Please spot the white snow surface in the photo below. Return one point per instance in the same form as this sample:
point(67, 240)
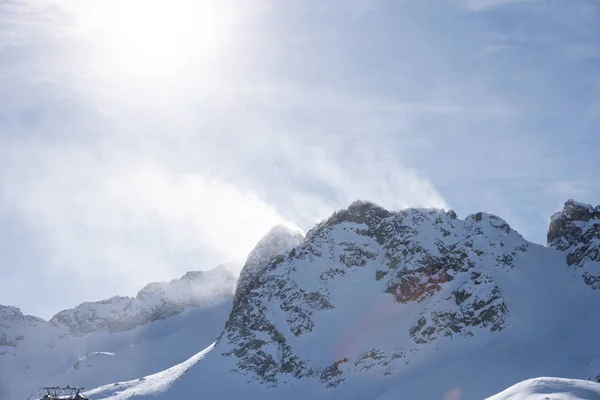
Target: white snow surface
point(551, 389)
point(36, 353)
point(148, 385)
point(370, 294)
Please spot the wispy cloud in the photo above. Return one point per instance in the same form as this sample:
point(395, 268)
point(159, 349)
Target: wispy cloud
point(484, 5)
point(124, 208)
point(119, 182)
point(111, 178)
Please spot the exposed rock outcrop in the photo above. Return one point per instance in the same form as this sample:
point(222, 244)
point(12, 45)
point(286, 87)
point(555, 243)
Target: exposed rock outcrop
point(437, 265)
point(576, 231)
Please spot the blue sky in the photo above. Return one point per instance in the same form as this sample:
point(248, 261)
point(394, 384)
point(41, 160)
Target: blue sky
point(142, 139)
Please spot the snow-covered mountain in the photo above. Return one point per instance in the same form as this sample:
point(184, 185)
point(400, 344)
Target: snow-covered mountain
point(156, 301)
point(96, 343)
point(576, 231)
point(551, 388)
point(376, 304)
point(421, 304)
point(423, 274)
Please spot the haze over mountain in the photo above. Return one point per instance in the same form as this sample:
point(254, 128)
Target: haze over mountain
point(131, 154)
point(96, 343)
point(370, 304)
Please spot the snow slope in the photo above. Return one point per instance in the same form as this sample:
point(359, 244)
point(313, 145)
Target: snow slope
point(374, 304)
point(148, 349)
point(162, 384)
point(148, 385)
point(414, 304)
point(98, 343)
point(551, 389)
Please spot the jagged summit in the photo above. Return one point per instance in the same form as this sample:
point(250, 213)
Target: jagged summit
point(570, 225)
point(278, 242)
point(576, 231)
point(224, 271)
point(11, 317)
point(577, 211)
point(155, 301)
point(371, 214)
point(440, 268)
point(420, 295)
point(361, 212)
point(195, 283)
point(10, 312)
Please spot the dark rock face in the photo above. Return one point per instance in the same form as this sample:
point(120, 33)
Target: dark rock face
point(576, 231)
point(360, 212)
point(279, 242)
point(427, 258)
point(576, 224)
point(248, 314)
point(486, 311)
point(420, 273)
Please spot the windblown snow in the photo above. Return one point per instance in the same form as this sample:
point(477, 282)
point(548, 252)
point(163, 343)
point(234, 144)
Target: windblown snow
point(116, 339)
point(371, 304)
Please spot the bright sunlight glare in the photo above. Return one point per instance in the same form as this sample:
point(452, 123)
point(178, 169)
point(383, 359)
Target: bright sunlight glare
point(155, 37)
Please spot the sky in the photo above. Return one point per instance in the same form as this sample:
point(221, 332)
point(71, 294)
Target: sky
point(140, 139)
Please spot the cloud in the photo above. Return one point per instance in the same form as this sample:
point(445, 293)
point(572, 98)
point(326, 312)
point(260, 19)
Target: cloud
point(22, 20)
point(485, 5)
point(70, 192)
point(111, 179)
point(112, 219)
point(125, 222)
point(117, 181)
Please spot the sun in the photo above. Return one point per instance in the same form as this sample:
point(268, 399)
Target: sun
point(155, 37)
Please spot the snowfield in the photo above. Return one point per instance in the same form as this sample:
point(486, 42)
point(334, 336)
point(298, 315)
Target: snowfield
point(157, 386)
point(36, 353)
point(150, 385)
point(551, 389)
point(370, 305)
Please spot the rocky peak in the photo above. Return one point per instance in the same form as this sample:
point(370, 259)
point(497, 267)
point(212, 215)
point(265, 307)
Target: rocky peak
point(191, 287)
point(576, 231)
point(9, 313)
point(435, 267)
point(14, 314)
point(359, 212)
point(278, 242)
point(13, 323)
point(223, 271)
point(155, 301)
point(577, 222)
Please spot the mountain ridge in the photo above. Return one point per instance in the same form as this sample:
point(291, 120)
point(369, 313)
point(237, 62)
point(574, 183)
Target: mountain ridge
point(411, 272)
point(576, 231)
point(372, 295)
point(226, 269)
point(33, 350)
